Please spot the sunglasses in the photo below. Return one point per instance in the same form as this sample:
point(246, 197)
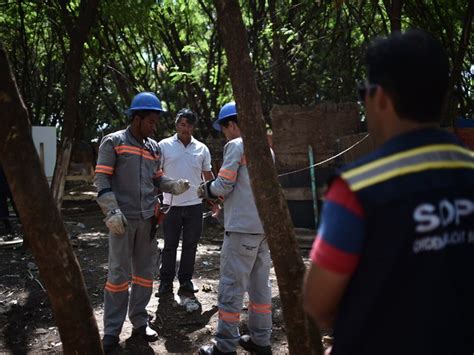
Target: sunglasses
point(365, 88)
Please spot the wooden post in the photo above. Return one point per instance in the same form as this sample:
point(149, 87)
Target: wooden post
point(314, 191)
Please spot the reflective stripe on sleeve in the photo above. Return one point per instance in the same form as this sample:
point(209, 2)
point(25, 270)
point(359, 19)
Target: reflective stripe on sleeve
point(104, 169)
point(228, 174)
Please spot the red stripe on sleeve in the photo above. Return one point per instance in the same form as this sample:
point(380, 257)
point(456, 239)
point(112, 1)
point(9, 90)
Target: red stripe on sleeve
point(340, 193)
point(333, 259)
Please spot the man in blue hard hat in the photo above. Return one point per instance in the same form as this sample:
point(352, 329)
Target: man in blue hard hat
point(245, 258)
point(128, 172)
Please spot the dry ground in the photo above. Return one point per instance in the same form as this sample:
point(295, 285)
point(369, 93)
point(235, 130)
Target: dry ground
point(27, 324)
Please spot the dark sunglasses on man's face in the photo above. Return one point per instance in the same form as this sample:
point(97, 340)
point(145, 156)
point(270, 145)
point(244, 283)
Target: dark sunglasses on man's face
point(365, 88)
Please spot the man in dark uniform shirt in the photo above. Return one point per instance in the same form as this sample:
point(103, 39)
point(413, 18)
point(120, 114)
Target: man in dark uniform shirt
point(392, 265)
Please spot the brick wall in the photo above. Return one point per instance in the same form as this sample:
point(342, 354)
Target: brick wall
point(296, 127)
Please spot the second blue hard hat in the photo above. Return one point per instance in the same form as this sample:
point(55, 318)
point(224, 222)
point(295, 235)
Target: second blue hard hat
point(228, 110)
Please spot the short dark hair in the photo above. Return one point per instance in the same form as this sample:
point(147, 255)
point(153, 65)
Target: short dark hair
point(190, 116)
point(225, 121)
point(413, 68)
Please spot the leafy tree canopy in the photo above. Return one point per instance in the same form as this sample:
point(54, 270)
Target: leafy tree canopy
point(303, 51)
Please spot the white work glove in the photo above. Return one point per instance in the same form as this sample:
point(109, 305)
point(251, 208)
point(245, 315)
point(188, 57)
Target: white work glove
point(114, 218)
point(180, 186)
point(172, 186)
point(204, 192)
point(116, 222)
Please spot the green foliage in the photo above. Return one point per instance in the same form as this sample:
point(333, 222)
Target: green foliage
point(303, 51)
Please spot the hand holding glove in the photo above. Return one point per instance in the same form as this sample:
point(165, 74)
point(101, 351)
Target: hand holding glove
point(114, 218)
point(116, 222)
point(180, 186)
point(172, 186)
point(204, 191)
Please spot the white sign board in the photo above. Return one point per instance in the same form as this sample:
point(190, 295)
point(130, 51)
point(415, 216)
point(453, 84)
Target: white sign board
point(44, 139)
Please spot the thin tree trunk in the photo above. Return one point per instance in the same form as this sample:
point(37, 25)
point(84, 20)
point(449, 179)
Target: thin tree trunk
point(78, 34)
point(394, 10)
point(281, 74)
point(269, 198)
point(450, 108)
point(42, 224)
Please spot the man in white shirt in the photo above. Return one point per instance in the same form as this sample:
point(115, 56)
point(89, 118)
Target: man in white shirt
point(185, 157)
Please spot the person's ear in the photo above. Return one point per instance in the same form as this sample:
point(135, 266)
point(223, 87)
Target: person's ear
point(381, 99)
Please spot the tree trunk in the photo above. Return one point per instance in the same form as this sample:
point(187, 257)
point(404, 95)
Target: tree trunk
point(276, 219)
point(42, 224)
point(394, 10)
point(450, 108)
point(281, 74)
point(78, 34)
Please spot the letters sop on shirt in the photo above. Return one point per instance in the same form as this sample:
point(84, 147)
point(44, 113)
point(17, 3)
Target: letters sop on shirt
point(184, 162)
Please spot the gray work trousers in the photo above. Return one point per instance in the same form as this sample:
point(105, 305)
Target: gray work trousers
point(188, 220)
point(132, 254)
point(244, 267)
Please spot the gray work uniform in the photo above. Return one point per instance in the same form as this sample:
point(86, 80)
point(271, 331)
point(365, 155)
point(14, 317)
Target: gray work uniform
point(130, 170)
point(245, 258)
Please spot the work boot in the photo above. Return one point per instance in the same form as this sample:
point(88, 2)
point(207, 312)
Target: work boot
point(246, 342)
point(212, 350)
point(147, 333)
point(164, 288)
point(109, 343)
point(187, 287)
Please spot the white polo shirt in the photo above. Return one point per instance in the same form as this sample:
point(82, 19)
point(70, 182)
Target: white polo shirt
point(180, 162)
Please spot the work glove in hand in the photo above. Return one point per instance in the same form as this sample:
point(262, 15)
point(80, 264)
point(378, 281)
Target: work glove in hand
point(203, 191)
point(180, 186)
point(172, 186)
point(114, 218)
point(116, 222)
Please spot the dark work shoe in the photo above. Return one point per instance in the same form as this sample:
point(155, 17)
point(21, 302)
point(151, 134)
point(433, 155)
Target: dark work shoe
point(147, 333)
point(187, 287)
point(109, 343)
point(212, 350)
point(247, 343)
point(164, 288)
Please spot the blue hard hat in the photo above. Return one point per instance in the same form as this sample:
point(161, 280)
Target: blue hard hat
point(145, 101)
point(228, 110)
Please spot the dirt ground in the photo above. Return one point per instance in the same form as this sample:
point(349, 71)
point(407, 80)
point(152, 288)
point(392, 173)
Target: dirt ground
point(27, 325)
